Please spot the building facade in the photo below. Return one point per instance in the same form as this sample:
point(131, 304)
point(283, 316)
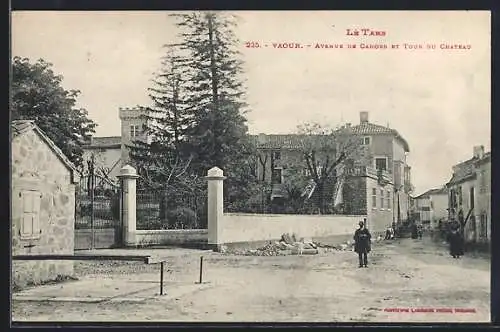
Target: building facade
point(469, 195)
point(376, 181)
point(42, 205)
point(432, 206)
point(110, 154)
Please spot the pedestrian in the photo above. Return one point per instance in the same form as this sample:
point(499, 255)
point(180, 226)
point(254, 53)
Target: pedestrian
point(456, 242)
point(362, 243)
point(414, 231)
point(420, 231)
point(394, 229)
point(388, 233)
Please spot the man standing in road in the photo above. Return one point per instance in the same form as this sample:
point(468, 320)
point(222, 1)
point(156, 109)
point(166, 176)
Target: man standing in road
point(362, 244)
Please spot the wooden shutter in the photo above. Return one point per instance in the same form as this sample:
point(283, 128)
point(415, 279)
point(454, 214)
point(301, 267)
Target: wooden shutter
point(31, 212)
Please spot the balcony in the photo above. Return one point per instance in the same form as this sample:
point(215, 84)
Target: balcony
point(369, 171)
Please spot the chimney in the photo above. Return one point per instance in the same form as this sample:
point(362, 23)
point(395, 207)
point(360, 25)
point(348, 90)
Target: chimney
point(363, 117)
point(479, 151)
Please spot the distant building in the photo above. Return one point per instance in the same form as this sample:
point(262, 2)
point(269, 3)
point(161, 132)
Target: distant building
point(469, 195)
point(432, 206)
point(111, 153)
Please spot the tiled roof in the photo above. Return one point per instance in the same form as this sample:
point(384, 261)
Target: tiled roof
point(367, 128)
point(110, 141)
point(466, 170)
point(286, 141)
point(438, 191)
point(294, 141)
point(20, 127)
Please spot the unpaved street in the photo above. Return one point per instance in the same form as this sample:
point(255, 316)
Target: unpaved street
point(323, 288)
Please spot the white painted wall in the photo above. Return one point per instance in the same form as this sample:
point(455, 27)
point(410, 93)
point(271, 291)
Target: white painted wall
point(236, 227)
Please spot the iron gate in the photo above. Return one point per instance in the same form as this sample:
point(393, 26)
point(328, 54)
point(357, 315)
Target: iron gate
point(97, 215)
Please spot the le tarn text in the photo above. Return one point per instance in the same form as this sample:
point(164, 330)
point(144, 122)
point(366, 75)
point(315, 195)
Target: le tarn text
point(365, 32)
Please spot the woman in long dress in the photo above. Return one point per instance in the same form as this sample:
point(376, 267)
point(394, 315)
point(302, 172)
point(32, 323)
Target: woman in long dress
point(456, 243)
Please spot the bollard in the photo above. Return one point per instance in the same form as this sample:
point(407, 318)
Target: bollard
point(201, 269)
point(161, 278)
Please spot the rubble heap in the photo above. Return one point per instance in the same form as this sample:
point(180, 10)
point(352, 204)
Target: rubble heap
point(288, 245)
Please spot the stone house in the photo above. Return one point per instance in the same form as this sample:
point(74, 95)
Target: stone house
point(377, 179)
point(42, 204)
point(468, 204)
point(432, 206)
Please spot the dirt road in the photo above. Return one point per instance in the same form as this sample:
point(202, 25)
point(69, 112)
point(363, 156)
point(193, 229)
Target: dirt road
point(328, 287)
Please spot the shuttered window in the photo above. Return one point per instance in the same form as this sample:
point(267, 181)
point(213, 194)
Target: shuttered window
point(30, 226)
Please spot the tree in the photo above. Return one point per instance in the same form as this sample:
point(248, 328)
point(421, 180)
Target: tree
point(37, 94)
point(214, 88)
point(325, 151)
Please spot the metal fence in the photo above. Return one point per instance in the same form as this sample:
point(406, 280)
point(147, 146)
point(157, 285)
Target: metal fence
point(171, 209)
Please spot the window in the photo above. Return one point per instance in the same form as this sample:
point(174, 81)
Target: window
point(306, 172)
point(276, 176)
point(374, 198)
point(432, 205)
point(134, 130)
point(483, 226)
point(471, 198)
point(389, 199)
point(460, 196)
point(381, 199)
point(30, 223)
point(276, 155)
point(381, 163)
point(365, 141)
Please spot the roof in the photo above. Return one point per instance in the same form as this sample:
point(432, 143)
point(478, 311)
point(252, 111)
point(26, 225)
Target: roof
point(276, 141)
point(104, 142)
point(367, 128)
point(20, 127)
point(486, 158)
point(428, 193)
point(466, 170)
point(294, 141)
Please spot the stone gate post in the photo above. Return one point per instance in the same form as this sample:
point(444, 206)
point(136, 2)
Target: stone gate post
point(128, 176)
point(215, 178)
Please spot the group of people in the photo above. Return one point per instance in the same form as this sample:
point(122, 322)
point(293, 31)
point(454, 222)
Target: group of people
point(362, 240)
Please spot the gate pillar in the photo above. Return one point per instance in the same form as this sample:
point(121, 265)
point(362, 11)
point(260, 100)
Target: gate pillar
point(128, 176)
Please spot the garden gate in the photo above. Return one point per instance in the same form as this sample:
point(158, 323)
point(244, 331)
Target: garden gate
point(97, 213)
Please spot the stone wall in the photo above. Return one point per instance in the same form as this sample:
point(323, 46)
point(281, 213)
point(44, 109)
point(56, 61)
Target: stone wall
point(171, 237)
point(241, 228)
point(35, 167)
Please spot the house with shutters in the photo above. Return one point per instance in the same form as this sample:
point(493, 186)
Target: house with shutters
point(469, 196)
point(377, 181)
point(42, 204)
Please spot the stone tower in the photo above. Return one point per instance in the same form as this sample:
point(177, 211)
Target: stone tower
point(132, 129)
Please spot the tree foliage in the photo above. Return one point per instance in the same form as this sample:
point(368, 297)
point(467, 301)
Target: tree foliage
point(37, 94)
point(197, 118)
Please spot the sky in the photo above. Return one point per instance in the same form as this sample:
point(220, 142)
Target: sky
point(437, 99)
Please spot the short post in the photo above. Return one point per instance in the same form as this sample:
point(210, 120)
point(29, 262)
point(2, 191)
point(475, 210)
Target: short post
point(128, 176)
point(161, 277)
point(201, 269)
point(215, 178)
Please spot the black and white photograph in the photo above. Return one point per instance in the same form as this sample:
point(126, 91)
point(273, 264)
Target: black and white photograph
point(250, 166)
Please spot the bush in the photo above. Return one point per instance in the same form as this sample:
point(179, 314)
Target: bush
point(182, 217)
